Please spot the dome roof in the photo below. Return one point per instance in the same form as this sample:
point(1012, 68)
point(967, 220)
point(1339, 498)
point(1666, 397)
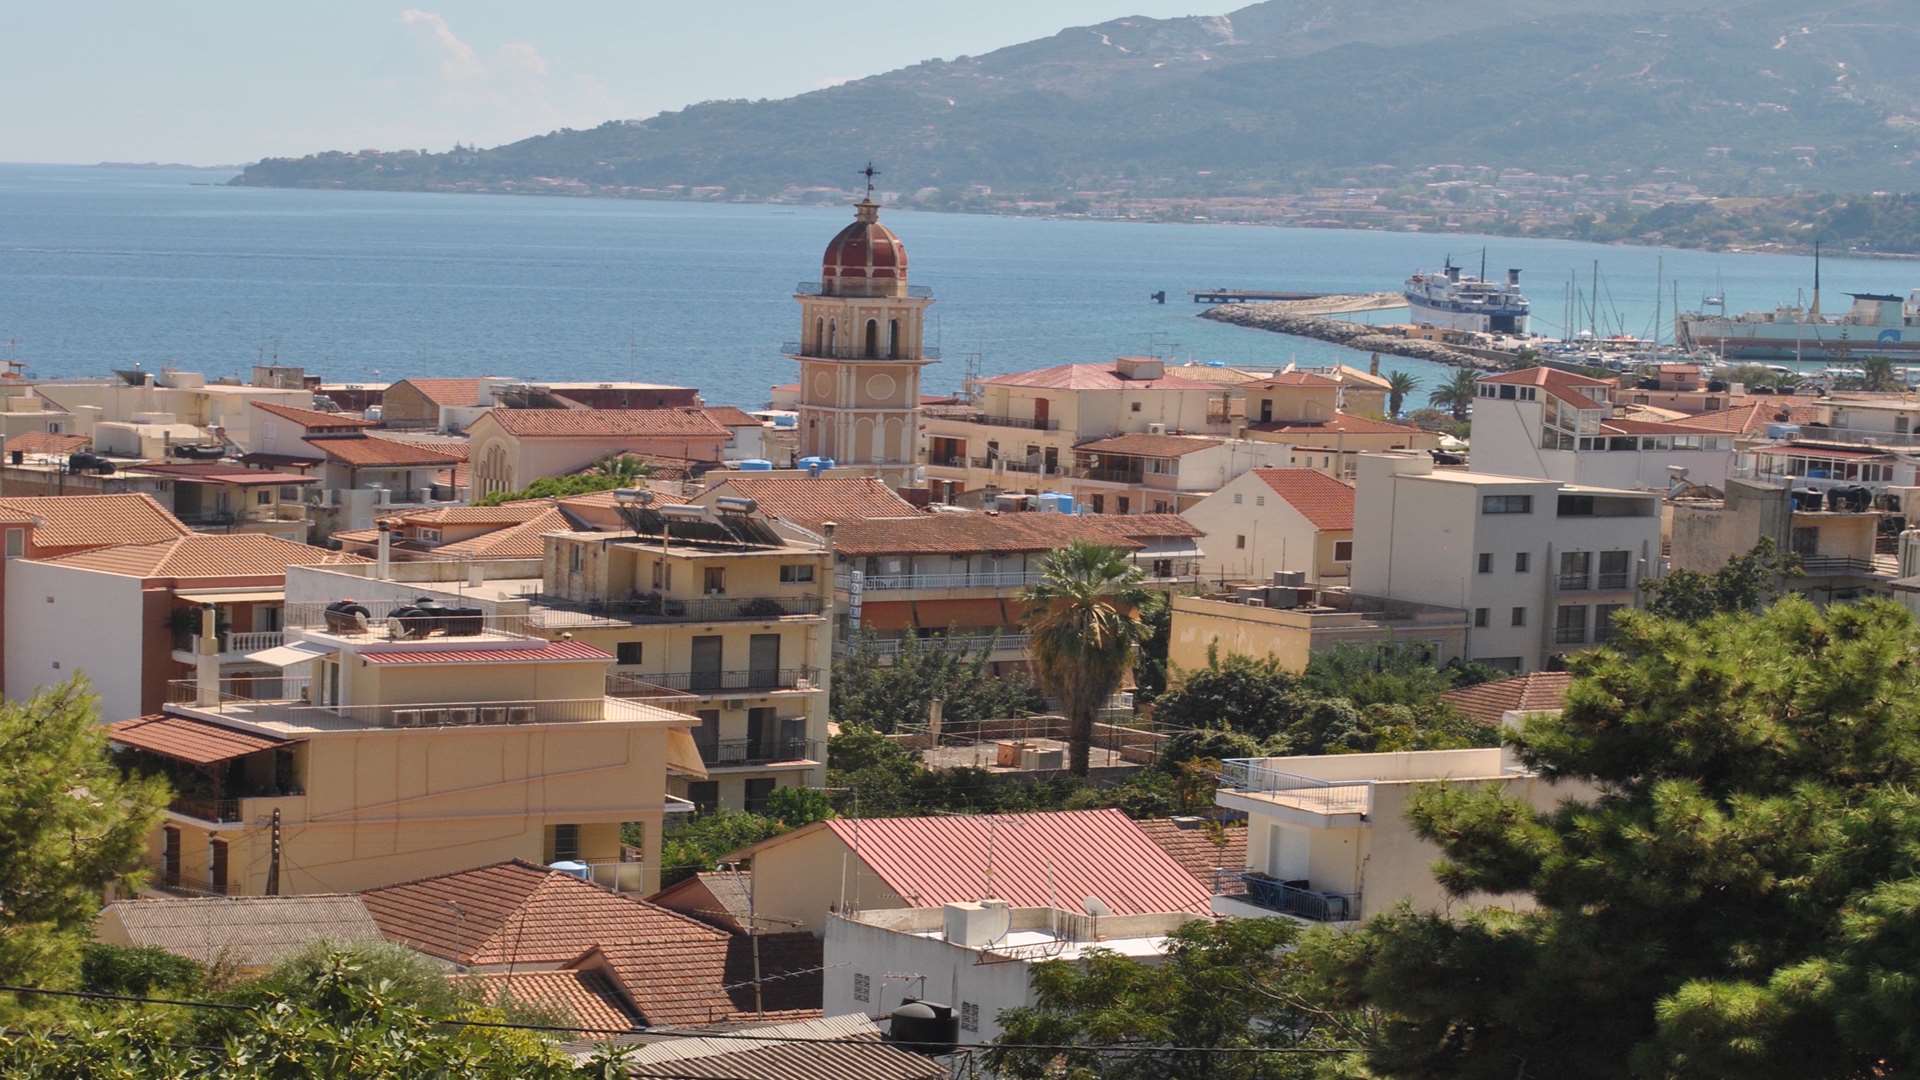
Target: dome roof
point(864, 251)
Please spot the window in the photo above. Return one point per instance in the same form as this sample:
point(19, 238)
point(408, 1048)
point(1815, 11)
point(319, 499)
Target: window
point(629, 652)
point(713, 581)
point(1343, 551)
point(1805, 541)
point(16, 543)
point(862, 987)
point(1163, 568)
point(289, 494)
point(1480, 616)
point(1259, 500)
point(796, 574)
point(1570, 625)
point(1236, 499)
point(566, 843)
point(1616, 569)
point(1500, 663)
point(704, 795)
point(1603, 621)
point(1099, 504)
point(1134, 407)
point(969, 1016)
point(1506, 504)
point(1126, 505)
point(432, 536)
point(263, 498)
point(1240, 542)
point(1486, 562)
point(1521, 562)
point(573, 558)
point(1519, 616)
point(1574, 567)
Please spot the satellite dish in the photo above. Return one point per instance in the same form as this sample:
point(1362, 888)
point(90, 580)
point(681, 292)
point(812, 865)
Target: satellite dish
point(1095, 907)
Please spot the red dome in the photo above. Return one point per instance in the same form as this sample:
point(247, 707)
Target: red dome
point(864, 251)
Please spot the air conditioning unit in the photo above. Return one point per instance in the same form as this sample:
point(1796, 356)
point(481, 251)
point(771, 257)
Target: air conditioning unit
point(460, 716)
point(1255, 601)
point(493, 714)
point(406, 718)
point(521, 714)
point(735, 703)
point(433, 717)
point(1156, 429)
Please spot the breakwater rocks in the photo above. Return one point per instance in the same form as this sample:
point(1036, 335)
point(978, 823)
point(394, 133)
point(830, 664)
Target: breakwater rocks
point(1274, 317)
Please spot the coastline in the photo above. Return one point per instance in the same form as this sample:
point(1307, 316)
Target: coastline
point(1277, 318)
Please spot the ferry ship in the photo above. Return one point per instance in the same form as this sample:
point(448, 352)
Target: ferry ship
point(1455, 302)
point(1877, 324)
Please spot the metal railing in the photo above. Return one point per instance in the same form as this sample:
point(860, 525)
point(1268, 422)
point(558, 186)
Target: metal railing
point(729, 682)
point(890, 648)
point(1573, 582)
point(838, 351)
point(730, 752)
point(882, 288)
point(994, 420)
point(552, 611)
point(619, 877)
point(1294, 898)
point(1570, 635)
point(1253, 776)
point(1110, 475)
point(1819, 565)
point(290, 700)
point(1039, 468)
point(206, 809)
point(382, 625)
point(964, 579)
point(1616, 579)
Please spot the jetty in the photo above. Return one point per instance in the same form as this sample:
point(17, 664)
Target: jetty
point(1248, 296)
point(1275, 318)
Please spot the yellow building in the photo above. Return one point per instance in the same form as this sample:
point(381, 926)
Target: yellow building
point(713, 609)
point(1328, 419)
point(394, 743)
point(1290, 624)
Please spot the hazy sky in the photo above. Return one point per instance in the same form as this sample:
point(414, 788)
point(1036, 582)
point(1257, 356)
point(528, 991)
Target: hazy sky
point(218, 81)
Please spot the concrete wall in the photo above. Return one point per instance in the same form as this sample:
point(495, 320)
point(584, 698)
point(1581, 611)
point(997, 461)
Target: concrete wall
point(947, 974)
point(61, 620)
point(805, 878)
point(1277, 537)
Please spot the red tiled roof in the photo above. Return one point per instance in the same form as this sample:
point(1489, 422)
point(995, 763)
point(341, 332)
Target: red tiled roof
point(845, 1059)
point(78, 521)
point(551, 652)
point(1564, 385)
point(1338, 424)
point(1542, 691)
point(47, 442)
point(1037, 860)
point(1139, 445)
point(1322, 500)
point(811, 501)
point(371, 450)
point(1143, 527)
point(1295, 378)
point(184, 738)
point(313, 418)
point(1748, 419)
point(516, 912)
point(607, 423)
point(583, 998)
point(1198, 845)
point(522, 541)
point(679, 978)
point(450, 445)
point(452, 392)
point(511, 513)
point(973, 533)
point(1622, 426)
point(1804, 450)
point(207, 555)
point(1092, 377)
point(731, 416)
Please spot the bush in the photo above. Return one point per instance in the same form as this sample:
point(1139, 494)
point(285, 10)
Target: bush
point(120, 969)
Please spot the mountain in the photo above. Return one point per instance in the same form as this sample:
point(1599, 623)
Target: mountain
point(1734, 96)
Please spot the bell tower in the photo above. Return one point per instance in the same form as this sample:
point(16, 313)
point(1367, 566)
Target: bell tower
point(860, 351)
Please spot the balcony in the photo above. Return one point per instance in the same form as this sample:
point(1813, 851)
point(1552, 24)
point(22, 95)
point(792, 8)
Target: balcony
point(889, 649)
point(1293, 898)
point(285, 706)
point(992, 420)
point(856, 289)
point(1573, 582)
point(965, 579)
point(1107, 475)
point(1844, 565)
point(1614, 580)
point(553, 612)
point(1294, 791)
point(408, 620)
point(232, 648)
point(1038, 468)
point(755, 680)
point(849, 352)
point(206, 809)
point(1570, 635)
point(748, 753)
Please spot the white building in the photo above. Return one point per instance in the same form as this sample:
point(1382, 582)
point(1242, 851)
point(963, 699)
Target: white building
point(1539, 565)
point(1266, 520)
point(1561, 426)
point(976, 958)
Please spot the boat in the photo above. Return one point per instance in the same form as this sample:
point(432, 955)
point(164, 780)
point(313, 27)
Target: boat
point(1876, 324)
point(1454, 301)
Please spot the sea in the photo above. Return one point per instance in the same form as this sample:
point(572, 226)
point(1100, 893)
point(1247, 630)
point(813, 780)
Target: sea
point(105, 268)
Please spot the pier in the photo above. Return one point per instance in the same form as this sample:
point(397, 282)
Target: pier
point(1249, 296)
point(1275, 319)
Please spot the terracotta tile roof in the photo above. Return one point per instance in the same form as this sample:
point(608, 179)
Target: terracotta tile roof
point(46, 442)
point(1564, 385)
point(551, 652)
point(518, 912)
point(1542, 691)
point(811, 501)
point(375, 451)
point(719, 898)
point(246, 931)
point(1322, 500)
point(607, 423)
point(184, 738)
point(1813, 451)
point(1143, 527)
point(1295, 378)
point(1037, 859)
point(1338, 424)
point(448, 392)
point(81, 521)
point(1197, 845)
point(511, 513)
point(453, 446)
point(684, 978)
point(1092, 377)
point(207, 555)
point(979, 533)
point(314, 418)
point(582, 998)
point(1748, 419)
point(850, 1059)
point(523, 541)
point(1141, 445)
point(731, 416)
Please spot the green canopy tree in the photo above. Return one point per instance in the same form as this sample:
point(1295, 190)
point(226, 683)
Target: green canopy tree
point(1085, 615)
point(1740, 899)
point(1745, 583)
point(887, 695)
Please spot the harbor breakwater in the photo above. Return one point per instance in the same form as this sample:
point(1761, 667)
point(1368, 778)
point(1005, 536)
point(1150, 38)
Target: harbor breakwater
point(1277, 319)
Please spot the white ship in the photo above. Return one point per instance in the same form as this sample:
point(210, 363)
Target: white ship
point(1455, 302)
point(1876, 324)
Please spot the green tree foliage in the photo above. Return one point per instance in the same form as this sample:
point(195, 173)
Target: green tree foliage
point(610, 474)
point(797, 806)
point(701, 843)
point(885, 696)
point(1456, 394)
point(1744, 584)
point(1222, 985)
point(1150, 668)
point(1400, 386)
point(144, 971)
point(1085, 618)
point(70, 825)
point(1739, 901)
point(1376, 675)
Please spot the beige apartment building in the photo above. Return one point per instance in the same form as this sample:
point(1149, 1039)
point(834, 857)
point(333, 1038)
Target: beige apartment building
point(1291, 622)
point(1017, 433)
point(393, 744)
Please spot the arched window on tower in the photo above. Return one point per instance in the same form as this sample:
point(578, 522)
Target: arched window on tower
point(893, 339)
point(833, 334)
point(819, 332)
point(873, 339)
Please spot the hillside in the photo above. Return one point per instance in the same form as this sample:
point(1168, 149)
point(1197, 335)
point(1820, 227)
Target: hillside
point(1735, 96)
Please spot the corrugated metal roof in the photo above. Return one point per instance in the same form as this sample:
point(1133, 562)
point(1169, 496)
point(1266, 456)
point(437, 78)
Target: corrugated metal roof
point(183, 738)
point(1052, 859)
point(550, 652)
point(249, 931)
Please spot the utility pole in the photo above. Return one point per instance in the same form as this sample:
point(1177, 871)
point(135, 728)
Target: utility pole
point(273, 857)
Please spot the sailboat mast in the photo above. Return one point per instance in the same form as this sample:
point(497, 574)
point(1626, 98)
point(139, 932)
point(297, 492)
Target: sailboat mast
point(1659, 288)
point(1814, 311)
point(1593, 302)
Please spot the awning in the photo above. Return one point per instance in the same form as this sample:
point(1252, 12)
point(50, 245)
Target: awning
point(683, 755)
point(282, 656)
point(892, 615)
point(233, 596)
point(963, 616)
point(183, 738)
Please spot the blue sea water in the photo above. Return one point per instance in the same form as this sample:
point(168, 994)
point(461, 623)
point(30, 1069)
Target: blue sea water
point(101, 268)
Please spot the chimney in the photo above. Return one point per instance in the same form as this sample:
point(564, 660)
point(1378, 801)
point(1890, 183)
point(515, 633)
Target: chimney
point(383, 559)
point(206, 661)
point(474, 575)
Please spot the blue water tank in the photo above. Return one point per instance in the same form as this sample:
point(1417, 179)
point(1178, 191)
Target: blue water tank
point(573, 866)
point(784, 421)
point(1058, 502)
point(1213, 363)
point(1782, 431)
point(754, 464)
point(815, 465)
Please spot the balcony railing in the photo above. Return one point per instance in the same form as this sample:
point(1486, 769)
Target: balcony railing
point(290, 701)
point(1830, 565)
point(965, 579)
point(551, 612)
point(206, 809)
point(729, 682)
point(1039, 468)
point(253, 641)
point(1288, 897)
point(890, 648)
point(1111, 476)
point(855, 352)
point(724, 753)
point(1573, 582)
point(1570, 635)
point(1614, 580)
point(1310, 793)
point(382, 623)
point(851, 288)
point(993, 420)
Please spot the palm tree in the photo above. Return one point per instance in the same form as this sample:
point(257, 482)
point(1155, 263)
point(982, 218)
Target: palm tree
point(1399, 385)
point(1084, 615)
point(1456, 394)
point(1878, 373)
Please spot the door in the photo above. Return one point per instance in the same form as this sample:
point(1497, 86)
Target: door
point(217, 866)
point(707, 735)
point(705, 676)
point(1042, 413)
point(793, 738)
point(1287, 855)
point(171, 866)
point(763, 660)
point(757, 791)
point(760, 730)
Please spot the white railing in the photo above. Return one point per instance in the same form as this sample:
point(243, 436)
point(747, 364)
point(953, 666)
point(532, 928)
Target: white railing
point(254, 641)
point(1254, 776)
point(968, 579)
